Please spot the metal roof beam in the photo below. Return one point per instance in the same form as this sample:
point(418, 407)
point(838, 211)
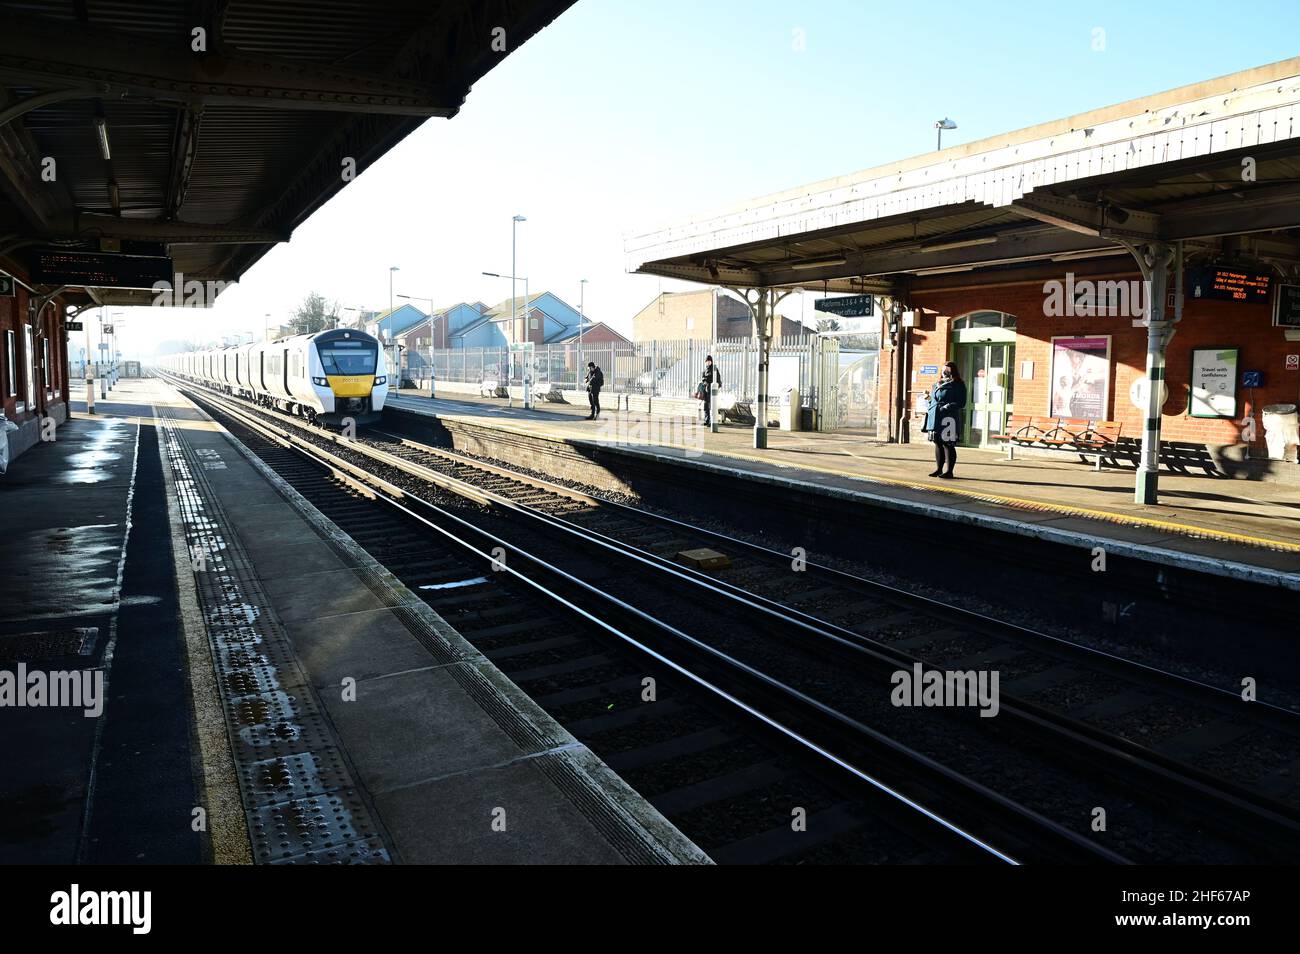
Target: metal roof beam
point(86, 224)
point(1087, 218)
point(61, 53)
point(1012, 246)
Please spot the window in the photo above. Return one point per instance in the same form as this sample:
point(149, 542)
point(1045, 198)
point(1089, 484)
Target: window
point(29, 358)
point(45, 356)
point(348, 357)
point(532, 323)
point(985, 319)
point(11, 366)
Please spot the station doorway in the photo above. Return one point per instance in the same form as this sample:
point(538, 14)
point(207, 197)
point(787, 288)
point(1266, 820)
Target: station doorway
point(985, 352)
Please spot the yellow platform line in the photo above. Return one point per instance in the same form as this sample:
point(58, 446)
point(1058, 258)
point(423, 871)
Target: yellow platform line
point(1019, 503)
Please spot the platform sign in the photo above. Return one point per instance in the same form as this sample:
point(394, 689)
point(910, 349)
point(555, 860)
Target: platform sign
point(55, 266)
point(73, 325)
point(1222, 283)
point(6, 286)
point(1214, 383)
point(929, 369)
point(850, 306)
point(1286, 306)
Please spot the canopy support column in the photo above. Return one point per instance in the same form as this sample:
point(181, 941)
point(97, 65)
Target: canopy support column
point(1153, 259)
point(762, 304)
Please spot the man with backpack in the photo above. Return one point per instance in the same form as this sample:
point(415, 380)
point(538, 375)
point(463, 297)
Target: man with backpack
point(595, 381)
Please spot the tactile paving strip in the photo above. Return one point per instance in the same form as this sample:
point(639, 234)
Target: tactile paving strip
point(299, 796)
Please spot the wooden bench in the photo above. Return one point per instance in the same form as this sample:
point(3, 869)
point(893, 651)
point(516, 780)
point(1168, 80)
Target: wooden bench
point(1101, 439)
point(1066, 432)
point(1025, 430)
point(739, 412)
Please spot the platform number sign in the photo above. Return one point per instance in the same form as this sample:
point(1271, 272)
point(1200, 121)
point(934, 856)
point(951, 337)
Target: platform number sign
point(6, 286)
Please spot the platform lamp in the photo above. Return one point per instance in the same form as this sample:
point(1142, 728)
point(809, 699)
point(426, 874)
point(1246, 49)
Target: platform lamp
point(582, 321)
point(527, 381)
point(940, 125)
point(432, 319)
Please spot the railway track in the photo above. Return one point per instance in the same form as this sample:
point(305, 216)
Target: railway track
point(827, 680)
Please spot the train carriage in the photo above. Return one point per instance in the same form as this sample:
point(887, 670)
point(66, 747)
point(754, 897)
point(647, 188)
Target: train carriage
point(328, 376)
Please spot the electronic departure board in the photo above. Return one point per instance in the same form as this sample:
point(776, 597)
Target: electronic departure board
point(1286, 310)
point(1225, 283)
point(56, 266)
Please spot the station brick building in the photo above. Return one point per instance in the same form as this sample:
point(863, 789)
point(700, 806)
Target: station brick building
point(965, 240)
point(33, 362)
point(1003, 325)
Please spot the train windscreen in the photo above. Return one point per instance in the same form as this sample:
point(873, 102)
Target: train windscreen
point(349, 357)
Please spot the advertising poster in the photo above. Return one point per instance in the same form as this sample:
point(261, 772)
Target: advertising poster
point(1081, 377)
point(1214, 383)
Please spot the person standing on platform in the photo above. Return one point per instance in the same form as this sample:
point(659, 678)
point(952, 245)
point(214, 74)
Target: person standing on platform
point(943, 419)
point(595, 381)
point(704, 391)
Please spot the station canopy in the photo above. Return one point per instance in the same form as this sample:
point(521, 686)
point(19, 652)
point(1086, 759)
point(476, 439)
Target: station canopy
point(207, 130)
point(1217, 158)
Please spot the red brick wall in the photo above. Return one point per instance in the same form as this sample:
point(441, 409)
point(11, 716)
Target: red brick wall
point(602, 334)
point(13, 314)
point(1205, 324)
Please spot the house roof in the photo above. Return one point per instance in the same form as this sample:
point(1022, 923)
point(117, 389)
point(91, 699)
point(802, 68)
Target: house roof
point(571, 334)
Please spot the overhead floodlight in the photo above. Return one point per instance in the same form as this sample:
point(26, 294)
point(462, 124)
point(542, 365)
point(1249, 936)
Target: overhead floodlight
point(941, 125)
point(101, 133)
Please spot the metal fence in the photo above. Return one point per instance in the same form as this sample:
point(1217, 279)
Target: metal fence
point(808, 364)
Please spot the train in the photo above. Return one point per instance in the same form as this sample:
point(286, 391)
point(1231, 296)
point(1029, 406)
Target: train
point(327, 377)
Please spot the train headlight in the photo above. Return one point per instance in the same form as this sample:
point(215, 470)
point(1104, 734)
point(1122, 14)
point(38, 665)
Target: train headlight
point(382, 379)
point(321, 382)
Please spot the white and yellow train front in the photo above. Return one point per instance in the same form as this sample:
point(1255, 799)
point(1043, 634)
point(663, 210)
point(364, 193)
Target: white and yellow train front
point(330, 376)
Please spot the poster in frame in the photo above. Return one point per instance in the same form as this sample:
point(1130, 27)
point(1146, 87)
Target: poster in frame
point(1080, 381)
point(1212, 385)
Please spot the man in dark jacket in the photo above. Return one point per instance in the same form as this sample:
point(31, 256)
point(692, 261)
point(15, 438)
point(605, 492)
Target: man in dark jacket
point(708, 379)
point(595, 380)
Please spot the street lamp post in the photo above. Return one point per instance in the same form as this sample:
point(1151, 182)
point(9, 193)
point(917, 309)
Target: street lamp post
point(391, 338)
point(527, 377)
point(940, 126)
point(582, 321)
point(514, 270)
point(432, 319)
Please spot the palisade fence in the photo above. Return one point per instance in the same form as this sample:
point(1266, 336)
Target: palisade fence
point(809, 364)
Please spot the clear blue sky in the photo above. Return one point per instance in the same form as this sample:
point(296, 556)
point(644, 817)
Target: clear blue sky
point(624, 114)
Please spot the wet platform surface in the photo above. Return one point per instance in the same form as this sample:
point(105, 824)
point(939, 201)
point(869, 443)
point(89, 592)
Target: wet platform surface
point(1251, 523)
point(87, 595)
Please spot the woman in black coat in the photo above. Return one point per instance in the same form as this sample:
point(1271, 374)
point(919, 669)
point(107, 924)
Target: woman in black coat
point(943, 420)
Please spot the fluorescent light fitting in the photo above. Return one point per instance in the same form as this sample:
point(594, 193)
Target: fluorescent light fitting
point(819, 263)
point(947, 269)
point(101, 133)
point(1095, 253)
point(960, 243)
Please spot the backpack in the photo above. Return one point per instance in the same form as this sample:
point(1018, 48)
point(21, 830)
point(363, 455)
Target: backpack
point(597, 378)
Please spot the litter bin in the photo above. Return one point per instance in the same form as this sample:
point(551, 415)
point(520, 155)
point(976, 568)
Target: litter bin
point(788, 416)
point(1280, 430)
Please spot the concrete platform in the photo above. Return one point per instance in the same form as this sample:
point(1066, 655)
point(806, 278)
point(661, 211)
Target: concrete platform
point(410, 735)
point(227, 616)
point(1226, 526)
